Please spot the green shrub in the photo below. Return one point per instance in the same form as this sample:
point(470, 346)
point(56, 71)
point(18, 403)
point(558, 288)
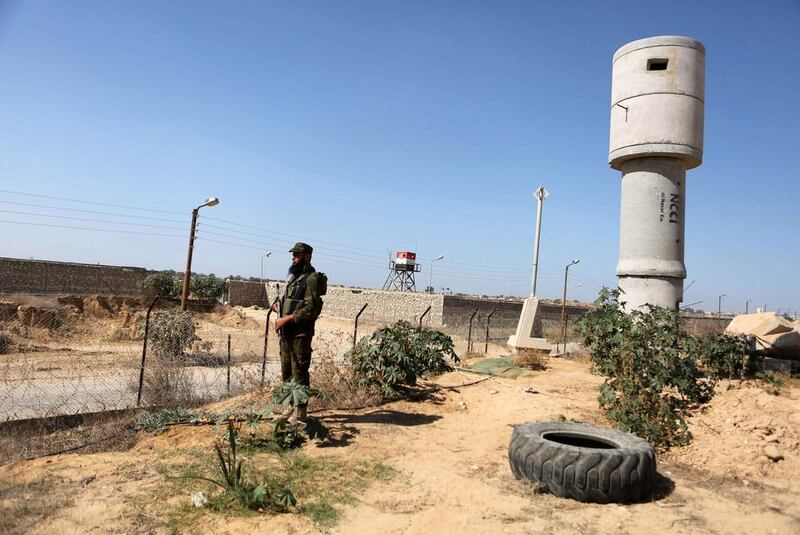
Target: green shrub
point(724, 356)
point(237, 489)
point(397, 355)
point(166, 381)
point(171, 333)
point(651, 381)
point(208, 287)
point(161, 283)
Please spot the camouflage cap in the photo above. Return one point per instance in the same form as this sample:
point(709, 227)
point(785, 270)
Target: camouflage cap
point(301, 247)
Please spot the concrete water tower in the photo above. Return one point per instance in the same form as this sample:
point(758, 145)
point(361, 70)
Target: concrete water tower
point(657, 108)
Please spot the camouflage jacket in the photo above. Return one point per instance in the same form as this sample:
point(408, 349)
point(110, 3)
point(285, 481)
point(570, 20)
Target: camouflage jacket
point(302, 298)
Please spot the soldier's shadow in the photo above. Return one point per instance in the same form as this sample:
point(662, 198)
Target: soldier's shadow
point(344, 427)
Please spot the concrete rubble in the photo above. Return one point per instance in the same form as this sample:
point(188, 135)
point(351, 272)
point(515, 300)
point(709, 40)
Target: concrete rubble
point(774, 335)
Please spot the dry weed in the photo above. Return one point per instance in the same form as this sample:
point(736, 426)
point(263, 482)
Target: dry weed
point(531, 359)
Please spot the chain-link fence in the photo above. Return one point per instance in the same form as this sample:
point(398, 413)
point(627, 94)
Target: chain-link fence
point(67, 370)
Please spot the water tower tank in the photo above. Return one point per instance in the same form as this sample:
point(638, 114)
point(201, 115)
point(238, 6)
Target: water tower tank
point(657, 94)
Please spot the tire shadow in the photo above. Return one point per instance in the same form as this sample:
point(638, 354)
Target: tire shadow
point(663, 486)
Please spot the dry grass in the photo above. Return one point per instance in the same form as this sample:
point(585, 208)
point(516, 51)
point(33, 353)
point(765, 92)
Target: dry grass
point(107, 431)
point(531, 359)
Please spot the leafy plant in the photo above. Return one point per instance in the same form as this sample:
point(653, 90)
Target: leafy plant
point(397, 355)
point(267, 495)
point(171, 333)
point(292, 393)
point(208, 287)
point(161, 283)
point(725, 356)
point(160, 420)
point(651, 381)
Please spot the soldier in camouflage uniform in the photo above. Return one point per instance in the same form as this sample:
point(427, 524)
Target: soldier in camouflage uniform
point(299, 309)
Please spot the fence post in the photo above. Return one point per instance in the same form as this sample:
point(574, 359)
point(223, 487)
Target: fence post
point(355, 328)
point(266, 342)
point(469, 336)
point(486, 344)
point(424, 314)
point(229, 363)
point(144, 350)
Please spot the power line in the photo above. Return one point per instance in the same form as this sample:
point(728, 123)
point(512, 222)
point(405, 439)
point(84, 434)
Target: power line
point(91, 229)
point(83, 210)
point(89, 219)
point(83, 201)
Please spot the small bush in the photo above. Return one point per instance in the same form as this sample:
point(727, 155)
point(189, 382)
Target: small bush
point(161, 283)
point(531, 359)
point(724, 356)
point(171, 334)
point(397, 355)
point(651, 382)
point(237, 489)
point(167, 383)
point(208, 287)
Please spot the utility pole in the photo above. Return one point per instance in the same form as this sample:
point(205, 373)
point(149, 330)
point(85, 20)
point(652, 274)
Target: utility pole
point(719, 305)
point(747, 306)
point(541, 194)
point(564, 306)
point(187, 275)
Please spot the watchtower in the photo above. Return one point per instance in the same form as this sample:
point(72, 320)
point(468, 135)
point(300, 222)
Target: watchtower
point(401, 272)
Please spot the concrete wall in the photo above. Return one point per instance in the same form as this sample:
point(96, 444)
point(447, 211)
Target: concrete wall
point(448, 312)
point(47, 277)
point(248, 293)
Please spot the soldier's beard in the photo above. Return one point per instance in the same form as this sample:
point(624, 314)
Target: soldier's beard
point(297, 269)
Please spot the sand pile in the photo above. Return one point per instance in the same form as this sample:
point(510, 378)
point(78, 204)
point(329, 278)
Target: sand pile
point(746, 432)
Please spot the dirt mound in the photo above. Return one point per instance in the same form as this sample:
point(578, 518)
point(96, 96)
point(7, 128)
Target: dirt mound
point(746, 432)
point(234, 318)
point(37, 317)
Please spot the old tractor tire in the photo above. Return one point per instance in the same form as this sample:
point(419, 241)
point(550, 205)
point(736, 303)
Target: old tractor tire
point(588, 463)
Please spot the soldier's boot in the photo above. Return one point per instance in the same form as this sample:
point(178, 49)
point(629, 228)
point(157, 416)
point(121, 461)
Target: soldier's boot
point(299, 416)
point(281, 411)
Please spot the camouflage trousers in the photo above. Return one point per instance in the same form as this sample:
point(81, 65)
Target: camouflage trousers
point(296, 359)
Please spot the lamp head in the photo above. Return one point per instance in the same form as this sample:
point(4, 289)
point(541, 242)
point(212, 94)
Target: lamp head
point(440, 257)
point(212, 201)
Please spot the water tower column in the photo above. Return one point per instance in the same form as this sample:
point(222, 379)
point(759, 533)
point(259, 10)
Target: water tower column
point(658, 89)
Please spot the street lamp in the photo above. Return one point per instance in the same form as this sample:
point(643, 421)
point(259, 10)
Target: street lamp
point(267, 255)
point(211, 201)
point(719, 305)
point(564, 305)
point(747, 306)
point(430, 274)
point(541, 194)
point(573, 289)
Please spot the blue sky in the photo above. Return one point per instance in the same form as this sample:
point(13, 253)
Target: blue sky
point(367, 126)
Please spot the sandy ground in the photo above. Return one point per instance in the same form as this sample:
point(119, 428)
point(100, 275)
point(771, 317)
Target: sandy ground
point(450, 454)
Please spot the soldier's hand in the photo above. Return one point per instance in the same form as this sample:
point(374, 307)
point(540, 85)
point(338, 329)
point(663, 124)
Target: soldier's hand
point(274, 307)
point(281, 322)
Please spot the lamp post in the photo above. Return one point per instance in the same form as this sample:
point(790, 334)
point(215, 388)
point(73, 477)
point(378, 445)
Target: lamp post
point(747, 306)
point(719, 305)
point(541, 194)
point(430, 274)
point(267, 255)
point(573, 289)
point(211, 201)
point(564, 305)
